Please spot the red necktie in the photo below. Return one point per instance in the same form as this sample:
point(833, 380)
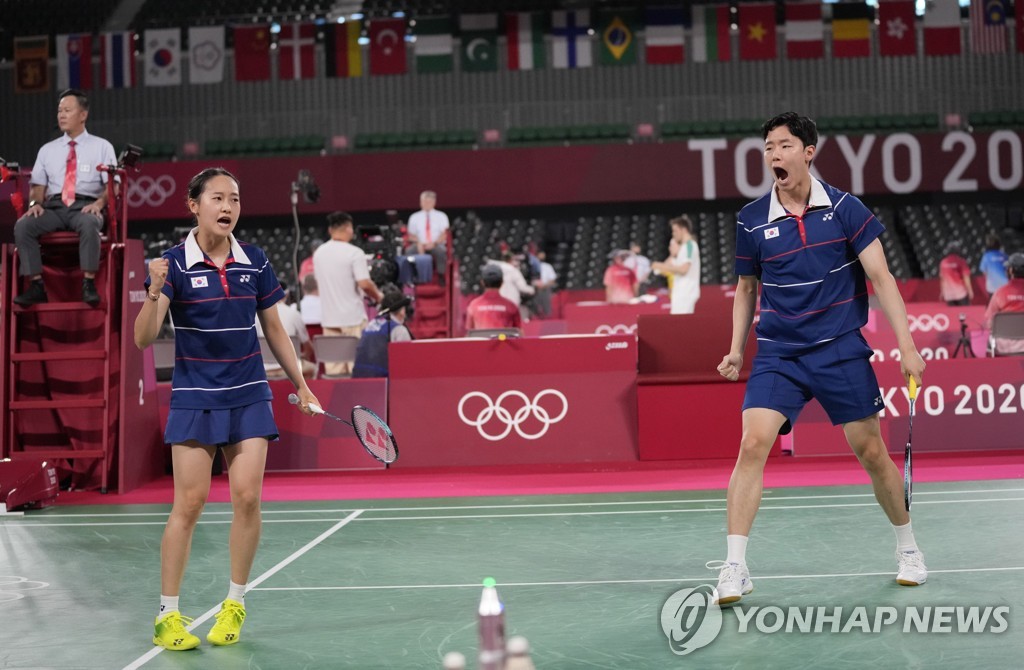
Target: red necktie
point(67, 194)
point(429, 238)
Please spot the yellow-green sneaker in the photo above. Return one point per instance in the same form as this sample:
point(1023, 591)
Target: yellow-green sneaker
point(170, 632)
point(228, 628)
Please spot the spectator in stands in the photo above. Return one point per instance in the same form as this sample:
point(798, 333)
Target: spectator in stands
point(545, 285)
point(216, 287)
point(514, 285)
point(343, 276)
point(620, 285)
point(67, 192)
point(388, 326)
point(296, 330)
point(491, 309)
point(813, 305)
point(955, 277)
point(309, 306)
point(1008, 298)
point(638, 263)
point(993, 264)
point(428, 233)
point(683, 266)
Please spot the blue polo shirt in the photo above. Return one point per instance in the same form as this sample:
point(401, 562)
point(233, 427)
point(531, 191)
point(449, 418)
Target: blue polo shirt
point(217, 362)
point(813, 287)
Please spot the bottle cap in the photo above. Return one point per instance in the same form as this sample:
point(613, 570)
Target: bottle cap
point(489, 582)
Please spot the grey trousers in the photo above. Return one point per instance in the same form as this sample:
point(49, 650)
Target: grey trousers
point(56, 216)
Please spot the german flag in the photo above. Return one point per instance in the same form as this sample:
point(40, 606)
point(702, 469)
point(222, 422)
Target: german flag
point(851, 30)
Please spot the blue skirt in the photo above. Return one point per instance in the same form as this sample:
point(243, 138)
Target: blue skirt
point(221, 427)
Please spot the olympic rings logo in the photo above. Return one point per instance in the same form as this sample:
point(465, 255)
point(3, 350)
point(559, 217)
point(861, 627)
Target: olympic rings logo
point(927, 323)
point(495, 410)
point(146, 190)
point(12, 587)
point(617, 329)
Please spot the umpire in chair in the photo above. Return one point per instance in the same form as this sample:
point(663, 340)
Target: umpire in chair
point(67, 192)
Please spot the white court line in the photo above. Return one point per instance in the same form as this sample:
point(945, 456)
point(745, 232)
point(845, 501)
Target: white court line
point(688, 501)
point(600, 582)
point(152, 653)
point(447, 517)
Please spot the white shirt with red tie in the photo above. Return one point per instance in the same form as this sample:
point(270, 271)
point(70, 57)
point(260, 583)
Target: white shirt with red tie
point(51, 164)
point(433, 221)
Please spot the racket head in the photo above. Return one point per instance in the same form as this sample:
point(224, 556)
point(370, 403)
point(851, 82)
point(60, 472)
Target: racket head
point(375, 435)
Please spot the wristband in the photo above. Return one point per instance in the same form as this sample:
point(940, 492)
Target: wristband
point(152, 297)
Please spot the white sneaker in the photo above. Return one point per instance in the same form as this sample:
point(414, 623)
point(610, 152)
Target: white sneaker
point(733, 581)
point(912, 570)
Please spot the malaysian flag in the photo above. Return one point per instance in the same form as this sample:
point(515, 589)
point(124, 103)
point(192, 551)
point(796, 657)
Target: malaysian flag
point(988, 26)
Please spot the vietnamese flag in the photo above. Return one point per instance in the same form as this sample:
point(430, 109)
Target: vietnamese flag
point(252, 52)
point(757, 31)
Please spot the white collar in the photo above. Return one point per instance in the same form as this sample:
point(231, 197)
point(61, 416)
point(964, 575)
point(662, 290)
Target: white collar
point(78, 140)
point(818, 199)
point(193, 254)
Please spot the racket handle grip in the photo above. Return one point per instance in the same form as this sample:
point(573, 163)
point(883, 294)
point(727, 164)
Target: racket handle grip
point(294, 399)
point(913, 388)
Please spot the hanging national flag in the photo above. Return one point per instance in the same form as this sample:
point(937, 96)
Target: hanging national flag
point(296, 46)
point(942, 28)
point(851, 30)
point(31, 64)
point(570, 43)
point(206, 54)
point(252, 52)
point(663, 36)
point(524, 36)
point(897, 35)
point(117, 60)
point(341, 45)
point(74, 62)
point(433, 47)
point(616, 30)
point(988, 26)
point(479, 39)
point(805, 33)
point(387, 46)
point(163, 57)
point(757, 31)
point(710, 36)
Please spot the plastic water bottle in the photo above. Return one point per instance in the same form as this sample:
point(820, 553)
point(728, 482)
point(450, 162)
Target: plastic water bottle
point(491, 618)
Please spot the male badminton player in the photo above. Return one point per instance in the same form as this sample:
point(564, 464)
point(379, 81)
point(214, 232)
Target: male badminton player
point(215, 287)
point(811, 246)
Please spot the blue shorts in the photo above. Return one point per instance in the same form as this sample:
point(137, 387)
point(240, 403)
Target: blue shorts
point(837, 374)
point(221, 427)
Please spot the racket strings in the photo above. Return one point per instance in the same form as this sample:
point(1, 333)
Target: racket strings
point(374, 435)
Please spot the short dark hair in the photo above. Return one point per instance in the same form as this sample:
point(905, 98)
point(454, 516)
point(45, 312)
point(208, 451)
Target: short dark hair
point(198, 183)
point(992, 242)
point(335, 219)
point(83, 99)
point(802, 127)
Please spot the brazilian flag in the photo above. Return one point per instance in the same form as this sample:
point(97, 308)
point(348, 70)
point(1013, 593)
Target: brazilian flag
point(617, 36)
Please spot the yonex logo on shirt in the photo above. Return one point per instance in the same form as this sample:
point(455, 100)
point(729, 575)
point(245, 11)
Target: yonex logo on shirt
point(245, 279)
point(199, 282)
point(771, 232)
point(827, 217)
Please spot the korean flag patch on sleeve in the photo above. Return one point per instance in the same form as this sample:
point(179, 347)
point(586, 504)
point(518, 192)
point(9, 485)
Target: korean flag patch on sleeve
point(200, 282)
point(768, 234)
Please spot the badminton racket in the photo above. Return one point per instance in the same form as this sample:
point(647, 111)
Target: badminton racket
point(908, 465)
point(373, 433)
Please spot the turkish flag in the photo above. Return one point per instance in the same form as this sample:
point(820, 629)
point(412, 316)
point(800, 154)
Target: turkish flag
point(252, 53)
point(387, 46)
point(757, 31)
point(897, 35)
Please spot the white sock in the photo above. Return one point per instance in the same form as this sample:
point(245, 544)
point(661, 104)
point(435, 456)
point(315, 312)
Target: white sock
point(905, 538)
point(236, 592)
point(167, 604)
point(737, 549)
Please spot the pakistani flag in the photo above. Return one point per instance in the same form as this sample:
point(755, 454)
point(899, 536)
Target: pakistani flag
point(434, 44)
point(479, 42)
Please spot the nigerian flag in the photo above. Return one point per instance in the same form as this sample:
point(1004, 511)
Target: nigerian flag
point(479, 34)
point(434, 44)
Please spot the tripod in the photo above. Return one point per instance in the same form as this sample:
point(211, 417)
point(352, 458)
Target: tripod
point(965, 340)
